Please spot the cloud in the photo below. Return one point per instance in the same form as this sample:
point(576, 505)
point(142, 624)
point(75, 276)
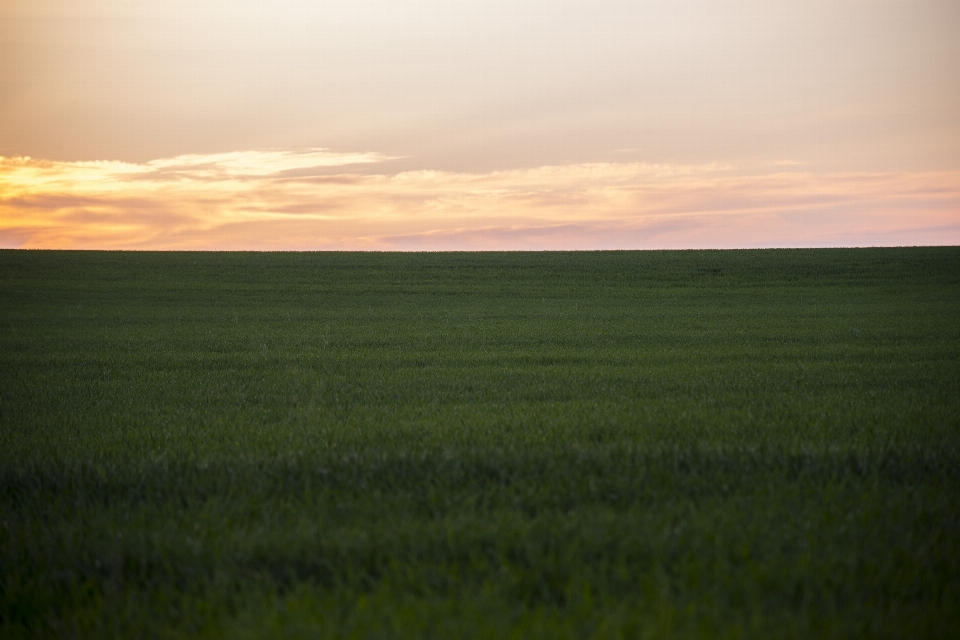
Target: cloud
point(252, 164)
point(310, 199)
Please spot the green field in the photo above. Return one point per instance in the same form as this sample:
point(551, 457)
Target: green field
point(557, 445)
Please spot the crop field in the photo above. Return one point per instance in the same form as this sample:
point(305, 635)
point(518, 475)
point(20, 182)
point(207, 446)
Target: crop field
point(480, 445)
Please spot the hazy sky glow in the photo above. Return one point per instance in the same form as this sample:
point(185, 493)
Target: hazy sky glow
point(478, 124)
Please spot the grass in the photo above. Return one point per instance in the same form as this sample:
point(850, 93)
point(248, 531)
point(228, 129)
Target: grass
point(556, 445)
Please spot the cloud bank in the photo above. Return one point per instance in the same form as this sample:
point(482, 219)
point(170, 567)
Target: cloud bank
point(316, 199)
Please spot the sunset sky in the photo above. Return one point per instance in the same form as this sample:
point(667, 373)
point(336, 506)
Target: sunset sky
point(478, 124)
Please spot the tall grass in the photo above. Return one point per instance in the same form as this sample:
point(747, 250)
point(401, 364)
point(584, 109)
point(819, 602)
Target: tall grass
point(612, 444)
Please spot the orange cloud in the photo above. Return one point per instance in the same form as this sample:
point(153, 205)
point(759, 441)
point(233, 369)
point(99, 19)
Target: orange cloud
point(312, 200)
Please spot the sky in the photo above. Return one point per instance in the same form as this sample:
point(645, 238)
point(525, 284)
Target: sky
point(478, 124)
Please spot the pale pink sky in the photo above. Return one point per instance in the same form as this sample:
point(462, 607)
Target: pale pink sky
point(478, 124)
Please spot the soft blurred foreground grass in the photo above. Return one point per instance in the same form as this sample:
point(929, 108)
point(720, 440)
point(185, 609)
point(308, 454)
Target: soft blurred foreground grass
point(623, 444)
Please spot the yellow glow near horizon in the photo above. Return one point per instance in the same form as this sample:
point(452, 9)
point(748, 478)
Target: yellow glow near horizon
point(294, 200)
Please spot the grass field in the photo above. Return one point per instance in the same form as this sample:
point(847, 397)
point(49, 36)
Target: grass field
point(556, 445)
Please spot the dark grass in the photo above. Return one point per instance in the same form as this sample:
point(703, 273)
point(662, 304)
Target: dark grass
point(613, 444)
